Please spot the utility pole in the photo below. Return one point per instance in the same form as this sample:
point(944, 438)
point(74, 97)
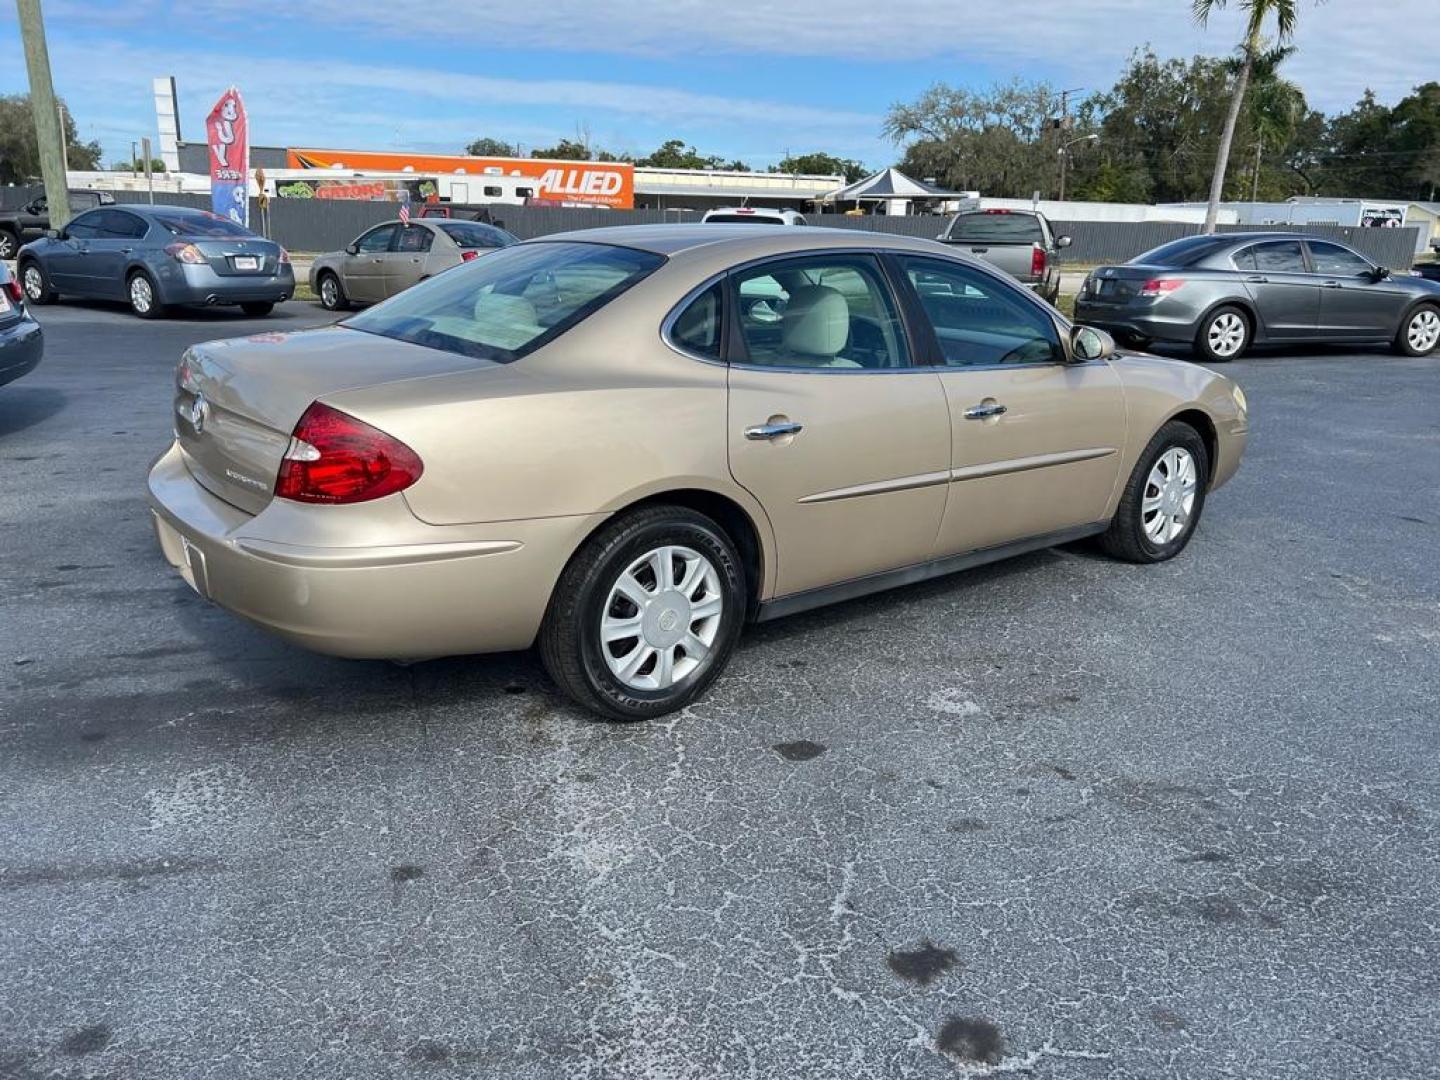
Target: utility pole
point(49, 135)
point(1255, 187)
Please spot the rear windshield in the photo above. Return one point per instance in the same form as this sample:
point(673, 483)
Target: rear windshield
point(202, 226)
point(997, 228)
point(746, 219)
point(470, 234)
point(510, 303)
point(1184, 252)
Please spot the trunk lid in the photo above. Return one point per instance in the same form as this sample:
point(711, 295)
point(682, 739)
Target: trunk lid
point(240, 256)
point(237, 401)
point(1117, 284)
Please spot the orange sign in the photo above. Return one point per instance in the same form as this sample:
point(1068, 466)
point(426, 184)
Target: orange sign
point(600, 183)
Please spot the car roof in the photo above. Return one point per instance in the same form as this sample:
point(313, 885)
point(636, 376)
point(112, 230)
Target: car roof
point(766, 239)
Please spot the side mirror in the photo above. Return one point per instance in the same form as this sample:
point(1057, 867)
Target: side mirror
point(1381, 273)
point(1087, 343)
point(352, 249)
point(53, 234)
point(1062, 241)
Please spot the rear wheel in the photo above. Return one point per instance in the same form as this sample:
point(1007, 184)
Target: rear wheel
point(1224, 334)
point(1420, 332)
point(1163, 498)
point(646, 615)
point(257, 307)
point(332, 295)
point(9, 244)
point(36, 283)
point(144, 299)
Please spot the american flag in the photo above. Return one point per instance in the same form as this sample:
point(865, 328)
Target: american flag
point(404, 213)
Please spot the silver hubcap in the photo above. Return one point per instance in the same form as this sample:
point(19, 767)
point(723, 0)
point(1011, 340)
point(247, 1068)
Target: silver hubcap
point(141, 297)
point(7, 246)
point(328, 292)
point(1424, 331)
point(1226, 334)
point(1169, 497)
point(661, 618)
point(34, 283)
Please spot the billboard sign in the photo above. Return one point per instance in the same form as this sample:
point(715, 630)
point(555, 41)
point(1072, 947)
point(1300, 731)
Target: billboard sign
point(590, 183)
point(227, 133)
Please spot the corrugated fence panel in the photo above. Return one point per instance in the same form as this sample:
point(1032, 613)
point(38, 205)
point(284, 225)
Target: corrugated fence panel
point(315, 225)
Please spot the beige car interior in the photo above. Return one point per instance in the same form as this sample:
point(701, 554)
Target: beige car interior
point(816, 323)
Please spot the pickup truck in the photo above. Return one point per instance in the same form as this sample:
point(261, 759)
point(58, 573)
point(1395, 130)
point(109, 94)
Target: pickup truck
point(1019, 242)
point(19, 227)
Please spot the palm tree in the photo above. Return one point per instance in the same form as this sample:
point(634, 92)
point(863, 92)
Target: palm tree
point(1257, 14)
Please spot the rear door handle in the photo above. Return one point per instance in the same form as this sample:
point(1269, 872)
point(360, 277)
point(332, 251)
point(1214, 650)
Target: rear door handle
point(984, 412)
point(1258, 279)
point(978, 251)
point(1330, 284)
point(773, 429)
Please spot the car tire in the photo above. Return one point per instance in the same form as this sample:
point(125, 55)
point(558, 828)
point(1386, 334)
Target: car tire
point(332, 293)
point(1223, 335)
point(35, 283)
point(257, 307)
point(1163, 499)
point(653, 671)
point(143, 296)
point(1420, 332)
point(9, 244)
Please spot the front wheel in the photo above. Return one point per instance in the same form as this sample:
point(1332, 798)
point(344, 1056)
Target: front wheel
point(257, 307)
point(36, 284)
point(646, 615)
point(1420, 332)
point(332, 296)
point(1223, 335)
point(1163, 498)
point(144, 300)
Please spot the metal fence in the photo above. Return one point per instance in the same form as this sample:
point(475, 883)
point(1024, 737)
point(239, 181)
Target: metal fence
point(314, 225)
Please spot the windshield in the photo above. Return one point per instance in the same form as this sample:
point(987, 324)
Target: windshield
point(997, 228)
point(510, 303)
point(1184, 252)
point(471, 234)
point(203, 226)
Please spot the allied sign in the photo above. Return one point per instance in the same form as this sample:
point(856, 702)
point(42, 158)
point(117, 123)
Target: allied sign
point(590, 183)
point(227, 133)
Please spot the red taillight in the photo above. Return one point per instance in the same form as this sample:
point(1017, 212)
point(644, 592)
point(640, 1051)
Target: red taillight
point(12, 290)
point(467, 255)
point(186, 253)
point(1161, 286)
point(1038, 262)
point(995, 211)
point(284, 256)
point(335, 458)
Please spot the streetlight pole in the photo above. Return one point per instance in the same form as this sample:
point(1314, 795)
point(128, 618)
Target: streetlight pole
point(49, 134)
point(1065, 159)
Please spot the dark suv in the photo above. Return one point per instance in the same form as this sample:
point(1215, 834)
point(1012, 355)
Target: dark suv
point(18, 227)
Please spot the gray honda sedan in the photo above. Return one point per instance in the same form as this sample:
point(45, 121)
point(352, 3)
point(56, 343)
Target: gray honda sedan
point(1221, 294)
point(154, 257)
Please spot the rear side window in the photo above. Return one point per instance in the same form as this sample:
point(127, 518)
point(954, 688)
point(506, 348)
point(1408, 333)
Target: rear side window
point(1276, 257)
point(997, 228)
point(203, 226)
point(118, 225)
point(1188, 251)
point(511, 303)
point(415, 238)
point(472, 234)
point(697, 328)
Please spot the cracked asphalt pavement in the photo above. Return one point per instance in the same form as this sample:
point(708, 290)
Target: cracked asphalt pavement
point(1061, 816)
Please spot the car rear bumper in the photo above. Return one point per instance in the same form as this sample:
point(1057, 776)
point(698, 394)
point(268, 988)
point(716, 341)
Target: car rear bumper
point(433, 591)
point(183, 283)
point(1151, 322)
point(22, 344)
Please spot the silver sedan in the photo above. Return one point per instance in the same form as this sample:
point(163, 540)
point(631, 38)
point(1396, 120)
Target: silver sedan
point(391, 257)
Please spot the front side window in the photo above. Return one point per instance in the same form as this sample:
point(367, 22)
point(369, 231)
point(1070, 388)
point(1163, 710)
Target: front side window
point(1187, 251)
point(511, 303)
point(377, 240)
point(1337, 261)
point(415, 238)
point(697, 328)
point(1275, 257)
point(823, 311)
point(978, 320)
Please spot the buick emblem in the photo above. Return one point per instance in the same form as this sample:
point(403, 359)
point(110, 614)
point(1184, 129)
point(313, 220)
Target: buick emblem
point(199, 413)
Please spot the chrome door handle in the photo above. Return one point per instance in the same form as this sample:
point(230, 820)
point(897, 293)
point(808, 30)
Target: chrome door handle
point(1258, 279)
point(984, 412)
point(1330, 284)
point(773, 430)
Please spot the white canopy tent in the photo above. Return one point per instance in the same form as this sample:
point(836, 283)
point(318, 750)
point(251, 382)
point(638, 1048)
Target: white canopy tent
point(889, 186)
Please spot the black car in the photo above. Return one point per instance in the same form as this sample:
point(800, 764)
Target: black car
point(21, 341)
point(1220, 294)
point(19, 227)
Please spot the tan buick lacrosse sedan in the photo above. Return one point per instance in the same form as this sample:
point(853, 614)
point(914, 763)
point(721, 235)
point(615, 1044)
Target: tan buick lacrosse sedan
point(622, 444)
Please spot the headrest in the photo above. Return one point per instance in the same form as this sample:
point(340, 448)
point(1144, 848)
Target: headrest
point(504, 320)
point(816, 321)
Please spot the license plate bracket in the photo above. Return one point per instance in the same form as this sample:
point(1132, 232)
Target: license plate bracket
point(246, 262)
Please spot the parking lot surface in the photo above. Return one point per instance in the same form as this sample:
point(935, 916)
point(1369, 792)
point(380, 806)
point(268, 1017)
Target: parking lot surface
point(1060, 816)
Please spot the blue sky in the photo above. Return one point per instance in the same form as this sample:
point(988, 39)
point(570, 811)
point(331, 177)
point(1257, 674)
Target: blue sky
point(743, 79)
